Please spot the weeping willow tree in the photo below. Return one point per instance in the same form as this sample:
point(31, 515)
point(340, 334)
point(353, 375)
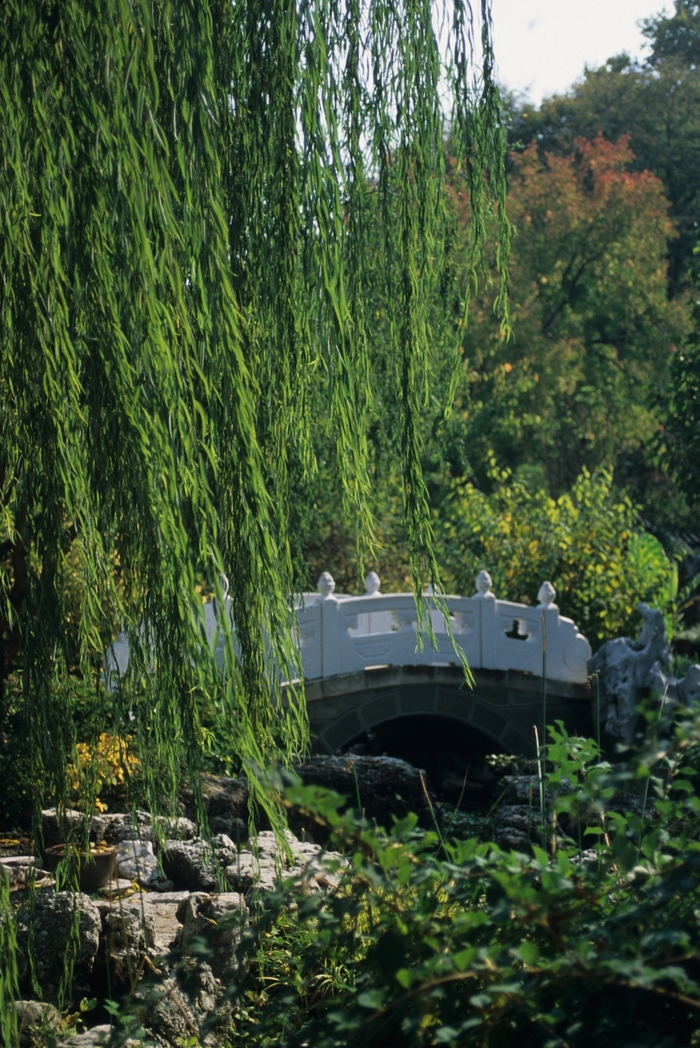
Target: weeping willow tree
point(192, 194)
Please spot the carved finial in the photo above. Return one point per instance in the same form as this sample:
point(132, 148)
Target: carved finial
point(546, 594)
point(325, 584)
point(484, 582)
point(372, 584)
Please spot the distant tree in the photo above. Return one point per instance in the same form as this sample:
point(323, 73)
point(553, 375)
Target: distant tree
point(680, 438)
point(656, 103)
point(593, 330)
point(676, 37)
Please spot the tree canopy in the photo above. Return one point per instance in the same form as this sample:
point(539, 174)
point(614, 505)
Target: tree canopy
point(187, 189)
point(656, 102)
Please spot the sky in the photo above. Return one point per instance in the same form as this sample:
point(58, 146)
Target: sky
point(542, 46)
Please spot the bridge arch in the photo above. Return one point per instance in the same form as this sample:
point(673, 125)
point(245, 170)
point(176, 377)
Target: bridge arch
point(503, 706)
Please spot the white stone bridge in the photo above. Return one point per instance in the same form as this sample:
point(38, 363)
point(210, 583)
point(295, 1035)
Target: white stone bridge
point(363, 666)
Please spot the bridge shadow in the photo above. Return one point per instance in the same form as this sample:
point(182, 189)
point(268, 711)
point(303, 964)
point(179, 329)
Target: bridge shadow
point(452, 754)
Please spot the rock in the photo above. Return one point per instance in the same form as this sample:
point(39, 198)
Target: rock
point(196, 865)
point(20, 869)
point(137, 862)
point(587, 857)
point(388, 788)
point(689, 687)
point(190, 1004)
point(139, 826)
point(624, 666)
point(515, 826)
point(98, 1035)
point(128, 932)
point(249, 872)
point(217, 921)
point(54, 829)
point(54, 914)
point(36, 1021)
point(262, 869)
point(226, 805)
point(674, 692)
point(161, 909)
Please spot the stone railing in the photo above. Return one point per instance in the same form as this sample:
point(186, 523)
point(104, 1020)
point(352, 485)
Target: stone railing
point(341, 634)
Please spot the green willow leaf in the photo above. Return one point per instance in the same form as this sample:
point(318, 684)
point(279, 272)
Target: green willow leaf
point(195, 196)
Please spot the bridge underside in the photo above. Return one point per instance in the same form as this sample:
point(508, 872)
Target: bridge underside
point(503, 706)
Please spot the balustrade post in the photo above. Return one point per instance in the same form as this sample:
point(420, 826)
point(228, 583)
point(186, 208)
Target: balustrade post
point(488, 623)
point(330, 626)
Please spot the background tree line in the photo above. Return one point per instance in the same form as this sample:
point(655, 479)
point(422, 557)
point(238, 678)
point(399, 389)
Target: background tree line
point(596, 390)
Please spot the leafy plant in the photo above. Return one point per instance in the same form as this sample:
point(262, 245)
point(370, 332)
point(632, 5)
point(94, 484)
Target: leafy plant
point(586, 542)
point(109, 761)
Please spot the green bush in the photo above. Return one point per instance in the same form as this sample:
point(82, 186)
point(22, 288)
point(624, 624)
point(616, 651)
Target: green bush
point(587, 543)
point(430, 942)
point(594, 938)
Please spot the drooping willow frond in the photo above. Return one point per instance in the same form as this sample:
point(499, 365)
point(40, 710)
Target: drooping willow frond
point(196, 196)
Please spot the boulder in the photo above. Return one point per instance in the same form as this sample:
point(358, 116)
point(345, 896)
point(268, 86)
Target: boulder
point(140, 826)
point(197, 865)
point(97, 1036)
point(161, 909)
point(261, 867)
point(516, 827)
point(626, 667)
point(216, 921)
point(136, 861)
point(225, 803)
point(37, 1021)
point(55, 828)
point(188, 1006)
point(128, 933)
point(54, 943)
point(388, 788)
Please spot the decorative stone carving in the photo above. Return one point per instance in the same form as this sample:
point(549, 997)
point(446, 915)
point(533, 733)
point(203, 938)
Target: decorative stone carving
point(625, 667)
point(372, 584)
point(545, 595)
point(684, 692)
point(325, 584)
point(484, 582)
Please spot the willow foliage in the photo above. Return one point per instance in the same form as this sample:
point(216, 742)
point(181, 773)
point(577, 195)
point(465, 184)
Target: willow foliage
point(192, 192)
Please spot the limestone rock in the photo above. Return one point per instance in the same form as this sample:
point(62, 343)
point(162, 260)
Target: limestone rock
point(53, 828)
point(139, 825)
point(388, 787)
point(515, 826)
point(673, 691)
point(128, 932)
point(217, 921)
point(226, 804)
point(54, 914)
point(136, 862)
point(626, 667)
point(161, 909)
point(36, 1020)
point(97, 1036)
point(194, 865)
point(262, 867)
point(189, 1004)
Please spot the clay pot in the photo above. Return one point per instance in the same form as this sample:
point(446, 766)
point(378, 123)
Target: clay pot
point(95, 870)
